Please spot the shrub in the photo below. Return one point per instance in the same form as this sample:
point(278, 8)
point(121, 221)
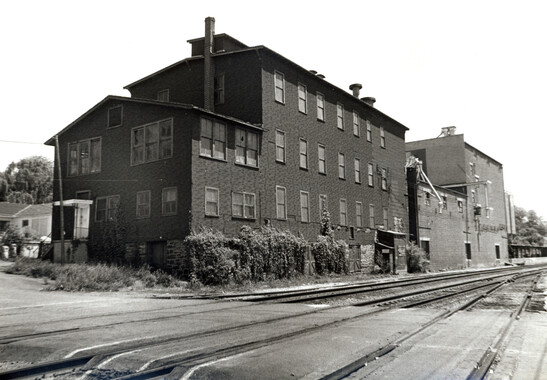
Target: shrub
point(417, 259)
point(330, 255)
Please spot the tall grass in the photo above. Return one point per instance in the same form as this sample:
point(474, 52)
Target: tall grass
point(92, 277)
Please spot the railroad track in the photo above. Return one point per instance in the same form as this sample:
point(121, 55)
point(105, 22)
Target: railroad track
point(90, 363)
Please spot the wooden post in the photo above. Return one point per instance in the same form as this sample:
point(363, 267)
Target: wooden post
point(60, 200)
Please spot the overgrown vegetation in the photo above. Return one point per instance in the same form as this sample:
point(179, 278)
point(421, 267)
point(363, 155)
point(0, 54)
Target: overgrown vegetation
point(29, 181)
point(92, 277)
point(251, 256)
point(330, 255)
point(417, 259)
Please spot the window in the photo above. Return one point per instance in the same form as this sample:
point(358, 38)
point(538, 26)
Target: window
point(304, 206)
point(211, 201)
point(303, 154)
point(219, 89)
point(460, 206)
point(106, 208)
point(385, 219)
point(343, 212)
point(497, 247)
point(340, 116)
point(382, 138)
point(371, 175)
point(352, 233)
point(473, 197)
point(25, 223)
point(357, 170)
point(445, 202)
point(424, 244)
point(84, 157)
point(152, 142)
point(169, 201)
point(163, 95)
point(322, 160)
point(472, 170)
point(384, 179)
point(356, 124)
point(281, 202)
point(323, 205)
point(302, 98)
point(279, 80)
point(320, 107)
point(143, 204)
point(358, 214)
point(115, 117)
point(427, 198)
point(213, 139)
point(369, 131)
point(246, 147)
point(83, 194)
point(371, 222)
point(279, 146)
point(341, 166)
point(243, 205)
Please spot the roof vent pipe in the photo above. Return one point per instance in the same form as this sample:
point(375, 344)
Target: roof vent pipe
point(369, 100)
point(356, 87)
point(320, 76)
point(209, 68)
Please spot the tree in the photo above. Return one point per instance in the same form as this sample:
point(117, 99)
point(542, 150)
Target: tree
point(531, 229)
point(28, 181)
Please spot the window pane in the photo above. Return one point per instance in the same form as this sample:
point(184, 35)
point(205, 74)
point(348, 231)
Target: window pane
point(95, 155)
point(249, 205)
point(237, 204)
point(73, 149)
point(252, 140)
point(280, 199)
point(84, 157)
point(252, 157)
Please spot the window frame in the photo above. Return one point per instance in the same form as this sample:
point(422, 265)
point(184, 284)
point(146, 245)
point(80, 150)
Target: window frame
point(78, 162)
point(427, 198)
point(369, 130)
point(218, 89)
point(212, 139)
point(281, 89)
point(108, 117)
point(147, 205)
point(357, 170)
point(371, 216)
point(320, 102)
point(108, 217)
point(358, 214)
point(244, 205)
point(282, 189)
point(356, 124)
point(370, 174)
point(305, 207)
point(164, 212)
point(382, 138)
point(145, 143)
point(246, 148)
point(385, 218)
point(302, 89)
point(341, 166)
point(161, 95)
point(343, 216)
point(340, 116)
point(303, 155)
point(216, 191)
point(283, 147)
point(324, 160)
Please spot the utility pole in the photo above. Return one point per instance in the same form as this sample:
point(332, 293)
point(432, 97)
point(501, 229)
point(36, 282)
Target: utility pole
point(60, 200)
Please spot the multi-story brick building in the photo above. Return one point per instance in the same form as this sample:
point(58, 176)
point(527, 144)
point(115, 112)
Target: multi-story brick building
point(468, 227)
point(231, 136)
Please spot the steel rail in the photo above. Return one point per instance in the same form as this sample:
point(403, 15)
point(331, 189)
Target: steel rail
point(362, 362)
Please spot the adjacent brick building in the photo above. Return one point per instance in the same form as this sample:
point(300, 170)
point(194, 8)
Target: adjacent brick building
point(231, 136)
point(468, 227)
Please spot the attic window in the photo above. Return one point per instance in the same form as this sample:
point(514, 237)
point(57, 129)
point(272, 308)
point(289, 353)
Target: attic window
point(163, 95)
point(114, 117)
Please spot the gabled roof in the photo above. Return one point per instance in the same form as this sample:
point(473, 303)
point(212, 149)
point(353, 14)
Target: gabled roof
point(19, 210)
point(51, 141)
point(270, 51)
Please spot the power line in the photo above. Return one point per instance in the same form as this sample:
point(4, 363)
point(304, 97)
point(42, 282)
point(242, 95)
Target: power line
point(22, 142)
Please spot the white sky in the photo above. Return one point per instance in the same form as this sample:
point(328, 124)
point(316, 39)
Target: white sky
point(478, 65)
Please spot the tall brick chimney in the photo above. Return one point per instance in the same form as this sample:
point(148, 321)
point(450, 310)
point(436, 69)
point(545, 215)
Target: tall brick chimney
point(208, 65)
